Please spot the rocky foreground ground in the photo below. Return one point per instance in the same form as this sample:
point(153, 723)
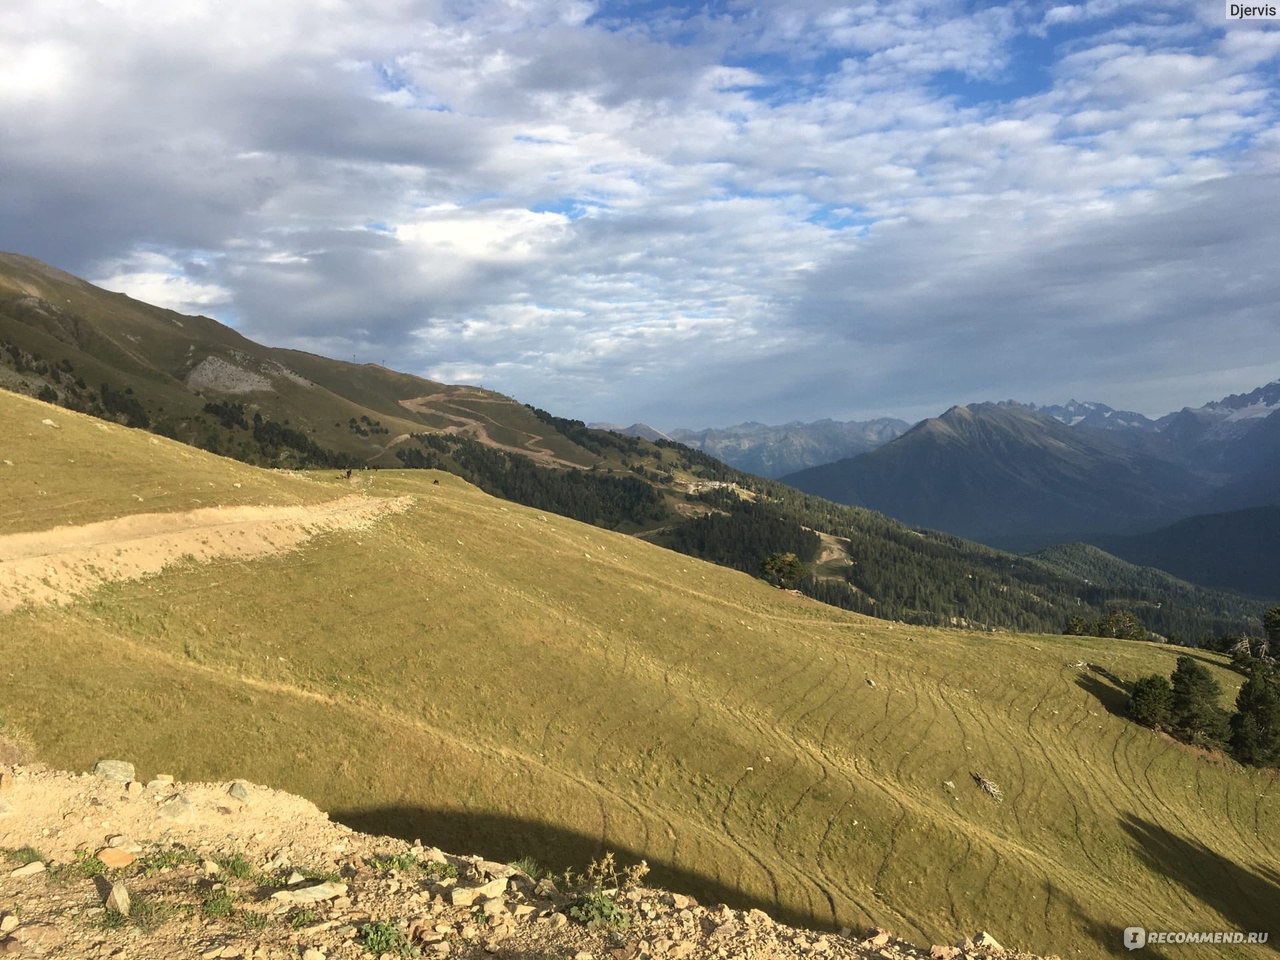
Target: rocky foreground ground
point(103, 865)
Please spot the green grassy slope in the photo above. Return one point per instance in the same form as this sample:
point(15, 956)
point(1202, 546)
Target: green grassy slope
point(488, 677)
point(86, 348)
point(102, 337)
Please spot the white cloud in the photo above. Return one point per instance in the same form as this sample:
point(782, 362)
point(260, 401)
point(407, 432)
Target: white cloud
point(800, 206)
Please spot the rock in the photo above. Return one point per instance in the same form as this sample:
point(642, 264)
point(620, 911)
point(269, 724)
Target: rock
point(466, 896)
point(582, 955)
point(681, 902)
point(321, 891)
point(759, 918)
point(462, 896)
point(940, 952)
point(39, 938)
point(209, 868)
point(311, 953)
point(985, 941)
point(118, 899)
point(9, 923)
point(239, 791)
point(440, 949)
point(113, 858)
point(492, 868)
point(6, 781)
point(177, 807)
point(28, 870)
point(876, 937)
point(133, 788)
point(10, 947)
point(114, 770)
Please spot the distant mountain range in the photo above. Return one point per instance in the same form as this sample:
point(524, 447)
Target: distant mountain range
point(773, 451)
point(1021, 477)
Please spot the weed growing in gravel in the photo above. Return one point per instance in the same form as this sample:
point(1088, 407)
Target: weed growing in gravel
point(382, 937)
point(252, 921)
point(395, 861)
point(236, 865)
point(320, 876)
point(440, 871)
point(85, 866)
point(596, 904)
point(530, 867)
point(144, 913)
point(303, 918)
point(23, 855)
point(167, 859)
point(218, 903)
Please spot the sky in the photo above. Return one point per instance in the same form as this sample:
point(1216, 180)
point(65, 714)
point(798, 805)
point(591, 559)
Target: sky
point(687, 214)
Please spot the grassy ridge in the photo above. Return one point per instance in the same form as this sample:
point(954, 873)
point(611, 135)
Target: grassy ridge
point(488, 677)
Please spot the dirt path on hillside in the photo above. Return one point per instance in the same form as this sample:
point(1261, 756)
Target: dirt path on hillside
point(54, 566)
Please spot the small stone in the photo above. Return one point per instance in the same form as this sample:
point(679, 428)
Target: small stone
point(558, 921)
point(133, 788)
point(113, 858)
point(211, 954)
point(583, 955)
point(9, 923)
point(10, 947)
point(462, 896)
point(321, 891)
point(941, 952)
point(681, 902)
point(311, 953)
point(239, 791)
point(209, 868)
point(177, 807)
point(118, 899)
point(293, 878)
point(6, 781)
point(28, 870)
point(440, 949)
point(231, 953)
point(114, 770)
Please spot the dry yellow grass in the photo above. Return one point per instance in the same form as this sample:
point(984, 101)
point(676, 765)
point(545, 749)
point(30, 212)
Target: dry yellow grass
point(487, 677)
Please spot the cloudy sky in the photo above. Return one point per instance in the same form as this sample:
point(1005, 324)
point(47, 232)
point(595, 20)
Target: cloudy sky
point(691, 214)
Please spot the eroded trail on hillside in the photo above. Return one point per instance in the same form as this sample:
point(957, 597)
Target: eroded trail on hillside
point(55, 566)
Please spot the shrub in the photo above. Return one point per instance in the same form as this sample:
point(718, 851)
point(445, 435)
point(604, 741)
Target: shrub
point(596, 903)
point(1151, 702)
point(382, 937)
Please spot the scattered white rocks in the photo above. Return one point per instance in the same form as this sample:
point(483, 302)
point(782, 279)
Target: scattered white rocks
point(301, 886)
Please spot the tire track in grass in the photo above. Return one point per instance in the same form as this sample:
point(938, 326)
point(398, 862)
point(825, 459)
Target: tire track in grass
point(831, 878)
point(751, 854)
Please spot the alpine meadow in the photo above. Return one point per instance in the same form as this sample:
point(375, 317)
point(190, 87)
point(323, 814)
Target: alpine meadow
point(493, 677)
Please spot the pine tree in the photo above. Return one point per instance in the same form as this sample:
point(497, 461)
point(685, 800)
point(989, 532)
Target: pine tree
point(1151, 702)
point(1255, 727)
point(1196, 714)
point(1271, 623)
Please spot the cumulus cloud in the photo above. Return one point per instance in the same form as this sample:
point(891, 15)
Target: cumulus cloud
point(693, 215)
